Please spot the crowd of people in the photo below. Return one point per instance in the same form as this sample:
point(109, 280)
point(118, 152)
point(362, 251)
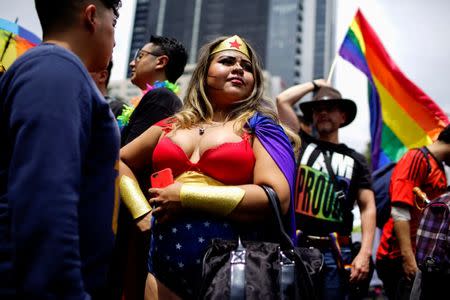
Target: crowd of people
point(79, 218)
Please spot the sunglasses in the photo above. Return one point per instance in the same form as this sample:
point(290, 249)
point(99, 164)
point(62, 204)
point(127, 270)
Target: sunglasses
point(139, 54)
point(325, 107)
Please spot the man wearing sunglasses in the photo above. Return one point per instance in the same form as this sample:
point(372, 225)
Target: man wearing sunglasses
point(331, 178)
point(161, 59)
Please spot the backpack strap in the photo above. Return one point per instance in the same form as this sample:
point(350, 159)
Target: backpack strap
point(425, 153)
point(340, 195)
point(330, 170)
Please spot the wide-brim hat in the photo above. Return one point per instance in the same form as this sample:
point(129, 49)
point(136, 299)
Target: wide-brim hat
point(332, 97)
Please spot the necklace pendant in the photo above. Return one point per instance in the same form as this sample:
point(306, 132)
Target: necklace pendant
point(201, 131)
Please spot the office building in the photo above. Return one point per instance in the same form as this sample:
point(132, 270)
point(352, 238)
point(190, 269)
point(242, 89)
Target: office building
point(293, 38)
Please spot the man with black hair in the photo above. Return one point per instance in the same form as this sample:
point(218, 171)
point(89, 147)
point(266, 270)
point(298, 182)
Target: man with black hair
point(161, 59)
point(101, 79)
point(58, 160)
point(396, 262)
point(155, 68)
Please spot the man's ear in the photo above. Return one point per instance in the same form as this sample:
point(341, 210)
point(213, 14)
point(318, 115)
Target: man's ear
point(344, 117)
point(90, 17)
point(163, 60)
point(102, 76)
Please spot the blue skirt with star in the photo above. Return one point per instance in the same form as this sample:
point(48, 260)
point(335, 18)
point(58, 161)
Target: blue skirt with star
point(177, 250)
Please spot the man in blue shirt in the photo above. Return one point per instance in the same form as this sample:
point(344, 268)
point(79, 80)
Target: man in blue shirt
point(58, 160)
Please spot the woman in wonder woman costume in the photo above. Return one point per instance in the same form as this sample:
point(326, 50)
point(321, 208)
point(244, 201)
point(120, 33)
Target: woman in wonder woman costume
point(224, 143)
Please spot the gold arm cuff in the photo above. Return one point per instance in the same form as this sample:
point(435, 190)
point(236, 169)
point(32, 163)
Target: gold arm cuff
point(133, 197)
point(219, 200)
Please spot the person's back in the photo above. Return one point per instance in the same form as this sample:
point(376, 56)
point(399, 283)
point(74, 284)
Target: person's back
point(433, 183)
point(396, 264)
point(57, 165)
point(67, 128)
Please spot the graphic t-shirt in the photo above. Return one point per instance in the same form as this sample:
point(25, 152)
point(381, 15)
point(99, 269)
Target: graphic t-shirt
point(318, 210)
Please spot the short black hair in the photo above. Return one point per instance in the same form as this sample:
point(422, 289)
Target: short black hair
point(175, 51)
point(54, 14)
point(444, 136)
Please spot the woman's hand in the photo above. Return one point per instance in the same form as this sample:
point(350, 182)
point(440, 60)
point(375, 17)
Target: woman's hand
point(166, 202)
point(144, 222)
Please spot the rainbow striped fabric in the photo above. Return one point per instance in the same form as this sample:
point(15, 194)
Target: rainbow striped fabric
point(14, 41)
point(401, 115)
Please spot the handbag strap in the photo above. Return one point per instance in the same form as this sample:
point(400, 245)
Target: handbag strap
point(274, 201)
point(238, 256)
point(287, 276)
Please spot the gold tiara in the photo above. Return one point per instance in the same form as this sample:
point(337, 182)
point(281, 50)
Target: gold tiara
point(232, 43)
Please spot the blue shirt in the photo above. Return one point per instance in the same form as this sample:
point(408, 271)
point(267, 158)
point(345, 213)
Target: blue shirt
point(58, 166)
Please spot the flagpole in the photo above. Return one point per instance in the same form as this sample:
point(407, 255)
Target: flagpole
point(7, 42)
point(333, 64)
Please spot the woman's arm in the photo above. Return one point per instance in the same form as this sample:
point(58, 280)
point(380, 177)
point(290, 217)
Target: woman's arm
point(133, 157)
point(254, 205)
point(138, 154)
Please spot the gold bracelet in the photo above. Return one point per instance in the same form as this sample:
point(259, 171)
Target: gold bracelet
point(133, 197)
point(219, 200)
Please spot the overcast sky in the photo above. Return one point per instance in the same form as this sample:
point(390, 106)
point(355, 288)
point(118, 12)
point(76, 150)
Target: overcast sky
point(414, 32)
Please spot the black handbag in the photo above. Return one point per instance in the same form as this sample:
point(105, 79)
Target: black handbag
point(260, 270)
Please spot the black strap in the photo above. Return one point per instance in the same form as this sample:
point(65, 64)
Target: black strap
point(425, 152)
point(339, 193)
point(238, 259)
point(313, 156)
point(285, 240)
point(330, 170)
point(287, 277)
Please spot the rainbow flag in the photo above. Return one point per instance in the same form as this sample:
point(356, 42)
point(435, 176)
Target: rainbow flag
point(14, 41)
point(402, 116)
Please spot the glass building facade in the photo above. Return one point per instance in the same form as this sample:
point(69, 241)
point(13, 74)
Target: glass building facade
point(275, 28)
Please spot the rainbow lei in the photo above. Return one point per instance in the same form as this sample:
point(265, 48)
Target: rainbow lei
point(127, 111)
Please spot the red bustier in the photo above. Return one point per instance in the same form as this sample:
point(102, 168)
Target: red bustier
point(229, 163)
